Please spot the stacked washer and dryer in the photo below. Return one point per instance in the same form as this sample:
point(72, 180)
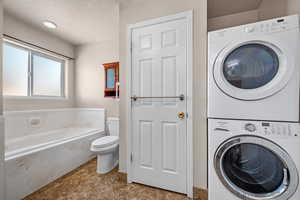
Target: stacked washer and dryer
point(253, 111)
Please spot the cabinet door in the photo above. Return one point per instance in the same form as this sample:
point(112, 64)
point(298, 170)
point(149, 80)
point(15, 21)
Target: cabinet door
point(111, 79)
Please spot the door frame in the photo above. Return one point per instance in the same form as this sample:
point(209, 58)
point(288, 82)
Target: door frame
point(188, 15)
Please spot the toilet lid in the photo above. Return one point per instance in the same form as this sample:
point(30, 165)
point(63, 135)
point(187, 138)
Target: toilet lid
point(105, 141)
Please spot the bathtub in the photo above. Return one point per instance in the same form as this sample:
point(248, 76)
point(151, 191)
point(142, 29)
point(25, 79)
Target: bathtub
point(43, 145)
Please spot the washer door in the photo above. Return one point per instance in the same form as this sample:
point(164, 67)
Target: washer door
point(254, 168)
point(252, 70)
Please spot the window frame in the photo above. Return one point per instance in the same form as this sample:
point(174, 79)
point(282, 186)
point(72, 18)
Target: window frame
point(30, 74)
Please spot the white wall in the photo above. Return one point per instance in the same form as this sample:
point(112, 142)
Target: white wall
point(2, 171)
point(16, 28)
point(233, 20)
point(269, 9)
point(90, 75)
point(293, 7)
point(133, 11)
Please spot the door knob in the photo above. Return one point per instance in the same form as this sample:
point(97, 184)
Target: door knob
point(181, 115)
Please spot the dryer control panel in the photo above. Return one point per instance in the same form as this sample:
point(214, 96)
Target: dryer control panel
point(272, 26)
point(264, 27)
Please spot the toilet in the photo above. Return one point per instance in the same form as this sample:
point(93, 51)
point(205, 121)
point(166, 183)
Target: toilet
point(107, 147)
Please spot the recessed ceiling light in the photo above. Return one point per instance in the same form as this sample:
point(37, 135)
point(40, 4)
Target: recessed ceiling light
point(50, 24)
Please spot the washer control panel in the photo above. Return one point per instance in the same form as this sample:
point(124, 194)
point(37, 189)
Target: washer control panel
point(273, 128)
point(279, 129)
point(232, 127)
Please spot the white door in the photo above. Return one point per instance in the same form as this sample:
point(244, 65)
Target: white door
point(159, 135)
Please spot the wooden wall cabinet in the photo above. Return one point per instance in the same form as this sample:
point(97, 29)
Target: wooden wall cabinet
point(111, 79)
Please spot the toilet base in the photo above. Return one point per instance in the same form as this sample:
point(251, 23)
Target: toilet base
point(107, 162)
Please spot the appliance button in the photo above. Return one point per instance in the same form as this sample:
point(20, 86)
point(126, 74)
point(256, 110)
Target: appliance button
point(249, 29)
point(250, 127)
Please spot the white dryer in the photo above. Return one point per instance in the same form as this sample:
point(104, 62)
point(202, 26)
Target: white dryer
point(253, 71)
point(253, 160)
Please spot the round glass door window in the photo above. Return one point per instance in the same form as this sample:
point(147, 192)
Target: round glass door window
point(253, 168)
point(251, 66)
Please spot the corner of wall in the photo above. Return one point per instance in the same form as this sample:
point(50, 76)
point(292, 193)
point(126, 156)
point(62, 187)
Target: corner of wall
point(233, 20)
point(269, 9)
point(2, 145)
point(292, 7)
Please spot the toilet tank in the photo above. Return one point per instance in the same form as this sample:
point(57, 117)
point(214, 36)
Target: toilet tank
point(113, 126)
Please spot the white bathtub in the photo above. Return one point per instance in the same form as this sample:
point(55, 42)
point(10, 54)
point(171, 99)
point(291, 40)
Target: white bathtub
point(44, 145)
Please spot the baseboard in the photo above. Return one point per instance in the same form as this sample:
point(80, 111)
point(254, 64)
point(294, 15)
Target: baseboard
point(198, 188)
point(200, 193)
point(123, 171)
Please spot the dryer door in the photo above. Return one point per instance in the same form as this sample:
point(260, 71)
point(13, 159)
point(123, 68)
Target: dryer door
point(254, 168)
point(253, 70)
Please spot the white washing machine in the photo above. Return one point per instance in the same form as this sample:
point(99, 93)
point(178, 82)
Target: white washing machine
point(253, 71)
point(253, 160)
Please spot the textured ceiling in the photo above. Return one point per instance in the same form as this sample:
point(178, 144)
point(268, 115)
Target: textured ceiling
point(217, 8)
point(79, 21)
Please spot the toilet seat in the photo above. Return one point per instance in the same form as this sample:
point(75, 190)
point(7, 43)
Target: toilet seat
point(105, 142)
point(104, 149)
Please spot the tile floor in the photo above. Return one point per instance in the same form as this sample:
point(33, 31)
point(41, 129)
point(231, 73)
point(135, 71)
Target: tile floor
point(85, 184)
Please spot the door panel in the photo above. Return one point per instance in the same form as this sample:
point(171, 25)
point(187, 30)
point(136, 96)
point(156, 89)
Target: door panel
point(169, 78)
point(159, 69)
point(169, 147)
point(146, 143)
point(145, 80)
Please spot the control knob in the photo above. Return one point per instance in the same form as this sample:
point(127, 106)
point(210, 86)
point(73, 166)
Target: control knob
point(250, 127)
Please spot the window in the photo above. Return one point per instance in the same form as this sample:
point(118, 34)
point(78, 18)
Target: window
point(30, 73)
point(15, 71)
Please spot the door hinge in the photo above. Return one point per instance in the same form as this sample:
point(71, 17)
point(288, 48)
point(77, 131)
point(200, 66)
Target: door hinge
point(131, 157)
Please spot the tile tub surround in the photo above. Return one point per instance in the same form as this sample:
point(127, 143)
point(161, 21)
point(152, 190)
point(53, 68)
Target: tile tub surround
point(85, 184)
point(39, 153)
